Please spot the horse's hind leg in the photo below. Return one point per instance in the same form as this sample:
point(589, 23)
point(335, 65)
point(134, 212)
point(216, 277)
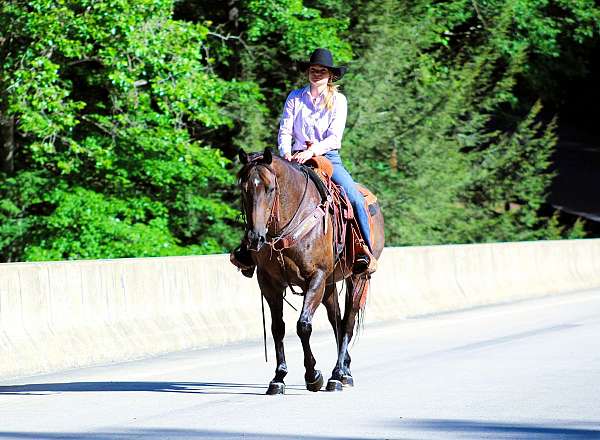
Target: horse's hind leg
point(312, 299)
point(274, 297)
point(341, 374)
point(334, 315)
point(330, 301)
point(338, 374)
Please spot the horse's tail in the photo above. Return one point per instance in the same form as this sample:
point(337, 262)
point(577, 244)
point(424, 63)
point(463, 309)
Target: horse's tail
point(357, 294)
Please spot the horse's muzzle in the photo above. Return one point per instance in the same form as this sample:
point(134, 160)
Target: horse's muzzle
point(255, 241)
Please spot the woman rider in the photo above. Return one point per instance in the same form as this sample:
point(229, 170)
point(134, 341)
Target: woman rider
point(312, 124)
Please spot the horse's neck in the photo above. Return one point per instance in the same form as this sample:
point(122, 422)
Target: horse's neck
point(292, 185)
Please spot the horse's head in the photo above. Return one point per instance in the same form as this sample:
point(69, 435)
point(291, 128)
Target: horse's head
point(258, 183)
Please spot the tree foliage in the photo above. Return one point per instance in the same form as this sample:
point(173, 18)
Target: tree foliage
point(114, 103)
point(450, 155)
point(119, 119)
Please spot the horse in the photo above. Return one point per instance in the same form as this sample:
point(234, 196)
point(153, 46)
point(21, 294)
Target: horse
point(276, 196)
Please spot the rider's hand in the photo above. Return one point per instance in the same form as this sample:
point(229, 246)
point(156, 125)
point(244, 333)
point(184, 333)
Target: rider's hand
point(303, 156)
point(288, 157)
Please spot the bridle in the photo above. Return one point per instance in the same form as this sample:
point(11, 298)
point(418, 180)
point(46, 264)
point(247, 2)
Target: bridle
point(276, 239)
point(274, 211)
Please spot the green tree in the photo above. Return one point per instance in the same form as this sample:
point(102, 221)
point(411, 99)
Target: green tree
point(111, 104)
point(261, 42)
point(429, 135)
point(279, 34)
point(557, 35)
point(117, 117)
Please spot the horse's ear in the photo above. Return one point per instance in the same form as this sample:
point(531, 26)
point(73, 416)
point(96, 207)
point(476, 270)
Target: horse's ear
point(267, 156)
point(243, 156)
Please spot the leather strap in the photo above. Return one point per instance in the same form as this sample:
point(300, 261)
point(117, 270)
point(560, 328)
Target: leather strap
point(280, 243)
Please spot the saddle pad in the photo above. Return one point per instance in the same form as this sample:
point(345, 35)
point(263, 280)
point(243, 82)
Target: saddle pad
point(370, 198)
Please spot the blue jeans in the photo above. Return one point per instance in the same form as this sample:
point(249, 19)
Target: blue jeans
point(343, 178)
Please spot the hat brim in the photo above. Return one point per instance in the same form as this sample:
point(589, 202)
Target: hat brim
point(338, 72)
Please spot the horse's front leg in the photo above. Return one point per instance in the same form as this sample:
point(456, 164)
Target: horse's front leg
point(312, 299)
point(274, 296)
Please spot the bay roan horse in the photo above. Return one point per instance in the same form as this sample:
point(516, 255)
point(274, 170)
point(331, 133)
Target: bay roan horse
point(276, 196)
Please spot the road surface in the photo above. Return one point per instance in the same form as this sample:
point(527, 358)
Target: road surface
point(529, 370)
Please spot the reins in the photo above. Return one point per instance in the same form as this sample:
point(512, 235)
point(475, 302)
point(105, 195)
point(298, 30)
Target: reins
point(283, 233)
point(286, 229)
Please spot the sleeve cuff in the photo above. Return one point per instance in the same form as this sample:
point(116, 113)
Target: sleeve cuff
point(285, 149)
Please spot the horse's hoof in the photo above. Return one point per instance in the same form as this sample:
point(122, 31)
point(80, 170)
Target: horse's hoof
point(334, 385)
point(276, 388)
point(317, 384)
point(347, 380)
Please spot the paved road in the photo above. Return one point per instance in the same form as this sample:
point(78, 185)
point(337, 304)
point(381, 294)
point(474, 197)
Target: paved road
point(529, 370)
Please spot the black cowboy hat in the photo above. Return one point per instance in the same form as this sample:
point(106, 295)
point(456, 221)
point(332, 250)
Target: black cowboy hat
point(323, 57)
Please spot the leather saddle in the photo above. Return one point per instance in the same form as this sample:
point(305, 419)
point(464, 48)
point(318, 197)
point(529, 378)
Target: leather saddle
point(347, 236)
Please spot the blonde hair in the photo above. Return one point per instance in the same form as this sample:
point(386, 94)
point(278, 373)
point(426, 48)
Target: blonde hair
point(332, 90)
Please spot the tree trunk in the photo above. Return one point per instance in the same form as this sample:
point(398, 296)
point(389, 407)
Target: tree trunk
point(7, 164)
point(7, 146)
point(234, 13)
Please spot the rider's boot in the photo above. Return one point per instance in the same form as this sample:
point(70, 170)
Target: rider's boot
point(364, 263)
point(240, 257)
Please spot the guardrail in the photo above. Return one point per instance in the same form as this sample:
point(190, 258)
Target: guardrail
point(61, 315)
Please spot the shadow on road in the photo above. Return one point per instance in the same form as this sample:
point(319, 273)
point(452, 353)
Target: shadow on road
point(407, 429)
point(161, 387)
point(162, 434)
point(471, 429)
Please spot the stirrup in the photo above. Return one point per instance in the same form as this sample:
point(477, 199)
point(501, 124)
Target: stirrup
point(365, 263)
point(373, 264)
point(360, 264)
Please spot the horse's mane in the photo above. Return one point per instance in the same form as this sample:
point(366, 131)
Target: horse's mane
point(255, 159)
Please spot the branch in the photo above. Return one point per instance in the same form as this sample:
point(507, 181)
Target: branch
point(85, 60)
point(224, 37)
point(478, 12)
point(232, 37)
point(99, 126)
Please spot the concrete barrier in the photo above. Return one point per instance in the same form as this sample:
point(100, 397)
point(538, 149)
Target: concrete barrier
point(62, 315)
point(434, 279)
